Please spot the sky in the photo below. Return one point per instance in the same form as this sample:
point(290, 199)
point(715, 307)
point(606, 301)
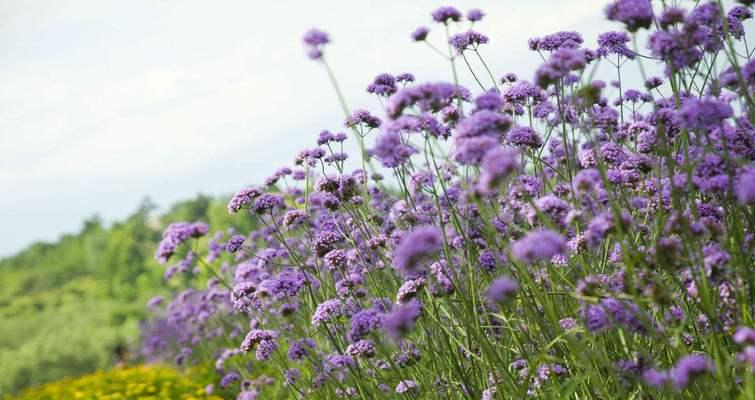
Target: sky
point(103, 103)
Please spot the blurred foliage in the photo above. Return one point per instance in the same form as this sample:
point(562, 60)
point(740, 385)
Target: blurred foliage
point(74, 306)
point(141, 382)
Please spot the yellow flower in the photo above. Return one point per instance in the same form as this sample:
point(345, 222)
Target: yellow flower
point(143, 382)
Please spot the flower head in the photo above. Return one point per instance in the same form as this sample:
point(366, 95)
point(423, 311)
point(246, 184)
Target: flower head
point(538, 245)
point(746, 187)
point(414, 246)
point(614, 43)
point(243, 197)
point(475, 15)
point(176, 234)
point(383, 85)
point(407, 386)
point(267, 202)
point(400, 320)
point(688, 368)
point(314, 40)
point(635, 14)
point(420, 34)
point(556, 41)
point(467, 40)
point(502, 289)
point(445, 14)
point(497, 164)
point(390, 150)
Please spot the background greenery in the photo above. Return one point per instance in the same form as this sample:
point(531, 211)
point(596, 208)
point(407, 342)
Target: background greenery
point(67, 306)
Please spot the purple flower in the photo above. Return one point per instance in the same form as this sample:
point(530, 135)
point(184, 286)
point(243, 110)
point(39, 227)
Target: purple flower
point(326, 311)
point(324, 241)
point(314, 40)
point(705, 113)
point(671, 16)
point(155, 302)
point(424, 123)
point(567, 323)
point(336, 259)
point(748, 72)
point(426, 96)
point(324, 137)
point(523, 93)
point(603, 224)
point(744, 335)
point(409, 290)
point(556, 41)
point(291, 376)
point(176, 234)
point(407, 386)
point(390, 150)
point(596, 318)
point(383, 85)
point(748, 356)
point(524, 136)
point(490, 100)
point(363, 117)
point(560, 64)
point(286, 283)
point(740, 12)
point(241, 295)
point(488, 260)
point(364, 322)
point(361, 348)
point(614, 43)
point(405, 77)
point(265, 349)
point(256, 337)
point(299, 349)
point(229, 378)
point(655, 378)
point(552, 207)
point(467, 40)
point(444, 14)
point(483, 123)
point(420, 34)
point(243, 197)
point(538, 245)
point(294, 217)
point(475, 15)
point(688, 368)
point(502, 289)
point(266, 202)
point(315, 37)
point(625, 313)
point(497, 164)
point(400, 320)
point(653, 82)
point(234, 243)
point(416, 245)
point(635, 14)
point(746, 187)
point(676, 48)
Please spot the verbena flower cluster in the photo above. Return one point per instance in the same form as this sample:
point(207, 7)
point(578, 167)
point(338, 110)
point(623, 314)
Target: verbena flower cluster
point(559, 237)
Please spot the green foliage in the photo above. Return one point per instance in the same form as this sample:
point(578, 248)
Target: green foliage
point(69, 307)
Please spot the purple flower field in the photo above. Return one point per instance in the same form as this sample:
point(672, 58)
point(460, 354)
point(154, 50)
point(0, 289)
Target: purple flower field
point(542, 236)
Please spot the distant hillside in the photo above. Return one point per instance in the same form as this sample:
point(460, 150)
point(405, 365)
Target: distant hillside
point(69, 307)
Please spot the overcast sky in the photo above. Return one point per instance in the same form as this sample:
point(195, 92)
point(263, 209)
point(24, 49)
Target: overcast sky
point(105, 102)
